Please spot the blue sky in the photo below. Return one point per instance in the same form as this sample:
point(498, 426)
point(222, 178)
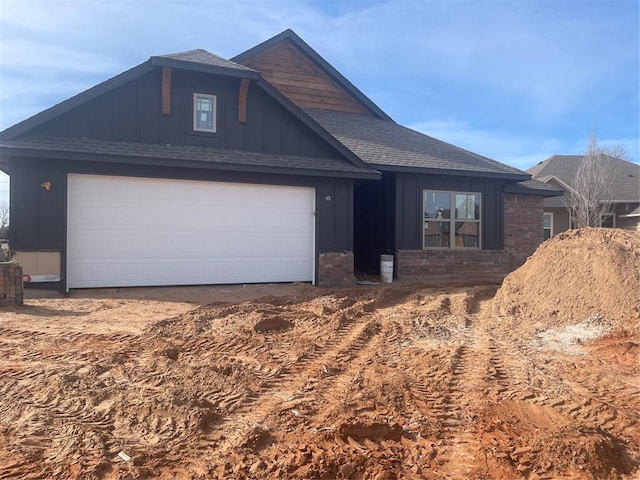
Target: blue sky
point(516, 81)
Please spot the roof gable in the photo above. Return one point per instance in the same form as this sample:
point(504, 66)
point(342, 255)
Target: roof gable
point(195, 60)
point(128, 108)
point(306, 78)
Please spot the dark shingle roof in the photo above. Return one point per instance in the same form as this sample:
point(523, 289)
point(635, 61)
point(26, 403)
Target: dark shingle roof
point(205, 58)
point(74, 148)
point(534, 187)
point(384, 144)
point(564, 168)
point(633, 210)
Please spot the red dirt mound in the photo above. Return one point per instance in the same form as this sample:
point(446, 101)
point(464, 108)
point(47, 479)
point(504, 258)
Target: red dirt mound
point(577, 275)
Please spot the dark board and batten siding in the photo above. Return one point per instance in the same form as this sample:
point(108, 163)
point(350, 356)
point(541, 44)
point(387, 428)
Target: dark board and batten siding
point(334, 206)
point(409, 207)
point(39, 215)
point(133, 113)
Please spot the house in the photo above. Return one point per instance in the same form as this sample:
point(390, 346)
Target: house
point(560, 171)
point(269, 167)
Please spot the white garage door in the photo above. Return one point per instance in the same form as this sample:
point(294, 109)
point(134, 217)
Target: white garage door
point(125, 231)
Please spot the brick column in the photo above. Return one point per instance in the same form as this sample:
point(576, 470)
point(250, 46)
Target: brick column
point(11, 292)
point(522, 227)
point(335, 269)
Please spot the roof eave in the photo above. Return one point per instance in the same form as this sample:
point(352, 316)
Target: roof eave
point(202, 68)
point(6, 152)
point(515, 188)
point(512, 177)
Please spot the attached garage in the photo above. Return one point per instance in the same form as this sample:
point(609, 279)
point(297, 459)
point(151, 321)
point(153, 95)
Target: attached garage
point(131, 231)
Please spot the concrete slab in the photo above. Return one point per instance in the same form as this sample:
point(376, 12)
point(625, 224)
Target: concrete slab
point(41, 293)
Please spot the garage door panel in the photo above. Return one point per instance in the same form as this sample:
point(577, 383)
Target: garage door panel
point(137, 231)
point(103, 273)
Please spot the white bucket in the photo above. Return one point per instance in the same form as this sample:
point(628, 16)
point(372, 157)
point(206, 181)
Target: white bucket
point(386, 268)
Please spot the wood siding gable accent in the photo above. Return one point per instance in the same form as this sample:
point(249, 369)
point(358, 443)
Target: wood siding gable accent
point(133, 112)
point(301, 80)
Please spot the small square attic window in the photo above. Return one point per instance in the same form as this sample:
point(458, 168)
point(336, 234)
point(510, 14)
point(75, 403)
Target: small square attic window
point(204, 113)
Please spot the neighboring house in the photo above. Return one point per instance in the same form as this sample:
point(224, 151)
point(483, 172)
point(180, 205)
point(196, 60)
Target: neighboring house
point(269, 167)
point(560, 171)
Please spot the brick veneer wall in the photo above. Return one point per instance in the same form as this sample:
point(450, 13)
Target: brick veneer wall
point(335, 269)
point(522, 227)
point(448, 267)
point(522, 235)
point(11, 292)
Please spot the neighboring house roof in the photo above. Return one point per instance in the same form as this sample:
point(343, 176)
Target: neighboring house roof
point(388, 146)
point(562, 170)
point(557, 202)
point(290, 36)
point(84, 149)
point(632, 211)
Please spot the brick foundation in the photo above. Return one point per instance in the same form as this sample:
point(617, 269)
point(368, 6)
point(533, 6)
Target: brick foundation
point(335, 269)
point(449, 267)
point(522, 227)
point(11, 292)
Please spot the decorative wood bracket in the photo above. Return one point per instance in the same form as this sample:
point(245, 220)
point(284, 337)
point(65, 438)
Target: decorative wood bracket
point(166, 91)
point(242, 100)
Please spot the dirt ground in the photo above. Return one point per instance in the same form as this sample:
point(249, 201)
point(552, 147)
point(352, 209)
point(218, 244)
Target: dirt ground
point(537, 379)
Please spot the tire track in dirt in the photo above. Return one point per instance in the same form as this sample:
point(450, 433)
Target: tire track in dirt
point(266, 359)
point(293, 383)
point(374, 342)
point(470, 372)
point(580, 398)
point(384, 387)
point(65, 416)
point(269, 359)
point(539, 392)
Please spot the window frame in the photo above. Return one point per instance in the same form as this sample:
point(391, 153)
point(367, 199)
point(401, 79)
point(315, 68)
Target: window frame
point(451, 221)
point(214, 102)
point(611, 215)
point(550, 228)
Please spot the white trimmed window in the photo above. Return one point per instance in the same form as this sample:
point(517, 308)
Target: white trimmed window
point(204, 112)
point(451, 220)
point(547, 225)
